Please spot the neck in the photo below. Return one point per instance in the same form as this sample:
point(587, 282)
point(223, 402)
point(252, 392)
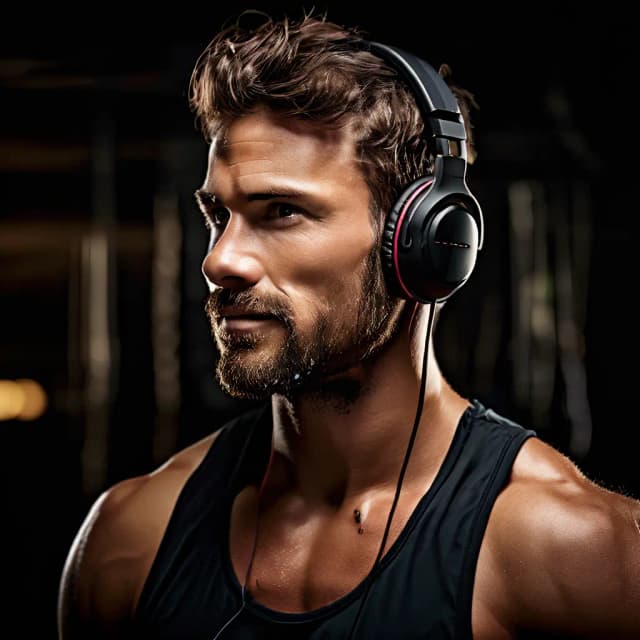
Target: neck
point(349, 438)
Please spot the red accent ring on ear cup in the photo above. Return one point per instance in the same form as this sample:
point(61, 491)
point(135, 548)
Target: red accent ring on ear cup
point(398, 226)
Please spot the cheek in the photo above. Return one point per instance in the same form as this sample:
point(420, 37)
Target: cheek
point(334, 256)
point(329, 283)
point(320, 269)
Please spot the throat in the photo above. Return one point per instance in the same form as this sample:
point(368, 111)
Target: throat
point(339, 395)
point(324, 456)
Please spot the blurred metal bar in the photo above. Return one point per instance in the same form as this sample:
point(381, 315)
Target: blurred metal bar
point(533, 326)
point(74, 396)
point(542, 321)
point(570, 308)
point(520, 244)
point(165, 320)
point(95, 256)
point(98, 302)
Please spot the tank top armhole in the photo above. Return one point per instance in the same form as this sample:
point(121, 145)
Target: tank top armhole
point(501, 472)
point(150, 579)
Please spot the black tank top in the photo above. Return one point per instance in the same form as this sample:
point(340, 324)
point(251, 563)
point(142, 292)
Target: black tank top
point(422, 587)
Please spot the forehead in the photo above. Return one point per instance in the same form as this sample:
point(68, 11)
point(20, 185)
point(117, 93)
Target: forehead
point(264, 141)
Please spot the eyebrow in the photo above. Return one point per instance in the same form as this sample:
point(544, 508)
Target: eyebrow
point(205, 197)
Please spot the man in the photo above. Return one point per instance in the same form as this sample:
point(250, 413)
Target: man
point(289, 522)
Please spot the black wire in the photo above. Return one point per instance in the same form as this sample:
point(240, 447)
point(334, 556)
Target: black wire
point(244, 584)
point(414, 431)
point(253, 549)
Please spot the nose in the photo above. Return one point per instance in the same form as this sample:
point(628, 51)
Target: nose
point(232, 261)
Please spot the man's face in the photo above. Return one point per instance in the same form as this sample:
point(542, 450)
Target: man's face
point(291, 237)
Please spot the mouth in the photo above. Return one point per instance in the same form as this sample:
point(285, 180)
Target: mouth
point(246, 323)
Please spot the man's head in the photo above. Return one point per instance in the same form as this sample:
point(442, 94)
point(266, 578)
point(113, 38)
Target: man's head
point(314, 69)
point(299, 110)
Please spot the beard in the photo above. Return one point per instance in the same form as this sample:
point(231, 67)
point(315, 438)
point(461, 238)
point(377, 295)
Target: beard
point(350, 330)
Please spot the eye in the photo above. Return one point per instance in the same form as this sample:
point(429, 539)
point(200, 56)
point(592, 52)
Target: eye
point(283, 211)
point(217, 217)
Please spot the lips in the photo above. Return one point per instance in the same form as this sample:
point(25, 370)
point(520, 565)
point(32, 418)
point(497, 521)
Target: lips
point(236, 311)
point(246, 323)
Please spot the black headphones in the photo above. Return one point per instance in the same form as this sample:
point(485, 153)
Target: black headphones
point(435, 229)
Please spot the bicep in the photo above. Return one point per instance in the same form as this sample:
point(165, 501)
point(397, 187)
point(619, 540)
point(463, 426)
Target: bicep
point(75, 582)
point(111, 555)
point(94, 599)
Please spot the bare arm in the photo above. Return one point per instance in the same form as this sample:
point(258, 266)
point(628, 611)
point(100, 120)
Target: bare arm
point(112, 553)
point(569, 554)
point(97, 585)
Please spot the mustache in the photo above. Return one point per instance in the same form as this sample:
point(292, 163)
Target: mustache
point(217, 300)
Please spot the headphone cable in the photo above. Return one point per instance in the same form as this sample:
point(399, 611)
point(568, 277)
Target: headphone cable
point(414, 431)
point(253, 547)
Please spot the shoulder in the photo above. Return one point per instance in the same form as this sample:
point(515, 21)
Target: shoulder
point(550, 498)
point(567, 550)
point(113, 550)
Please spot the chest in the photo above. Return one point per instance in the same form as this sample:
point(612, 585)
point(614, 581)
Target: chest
point(306, 558)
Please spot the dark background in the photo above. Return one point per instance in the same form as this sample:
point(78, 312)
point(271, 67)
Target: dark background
point(101, 294)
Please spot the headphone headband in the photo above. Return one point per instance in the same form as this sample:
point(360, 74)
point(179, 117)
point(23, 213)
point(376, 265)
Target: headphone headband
point(436, 102)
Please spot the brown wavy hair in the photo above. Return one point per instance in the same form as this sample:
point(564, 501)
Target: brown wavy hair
point(313, 69)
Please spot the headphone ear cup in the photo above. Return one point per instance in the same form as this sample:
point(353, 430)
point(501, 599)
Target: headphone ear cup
point(397, 217)
point(430, 241)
